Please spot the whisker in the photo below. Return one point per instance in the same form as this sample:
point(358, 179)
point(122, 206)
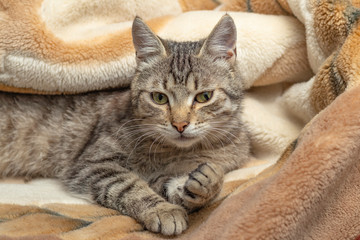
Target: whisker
point(160, 142)
point(144, 136)
point(122, 127)
point(140, 128)
point(222, 144)
point(228, 124)
point(132, 120)
point(223, 133)
point(130, 133)
point(228, 132)
point(136, 140)
point(152, 145)
point(207, 141)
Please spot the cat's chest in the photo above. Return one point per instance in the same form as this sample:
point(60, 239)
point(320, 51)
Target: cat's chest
point(145, 163)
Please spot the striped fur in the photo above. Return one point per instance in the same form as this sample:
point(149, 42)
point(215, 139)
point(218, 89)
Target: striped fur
point(119, 148)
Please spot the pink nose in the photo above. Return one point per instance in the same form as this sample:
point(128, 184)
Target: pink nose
point(180, 126)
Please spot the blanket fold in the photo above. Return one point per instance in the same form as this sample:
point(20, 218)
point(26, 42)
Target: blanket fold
point(52, 47)
point(299, 63)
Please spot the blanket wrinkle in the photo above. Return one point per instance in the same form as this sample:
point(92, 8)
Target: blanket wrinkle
point(299, 62)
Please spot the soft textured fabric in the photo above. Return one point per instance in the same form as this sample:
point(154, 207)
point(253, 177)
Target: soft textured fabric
point(299, 61)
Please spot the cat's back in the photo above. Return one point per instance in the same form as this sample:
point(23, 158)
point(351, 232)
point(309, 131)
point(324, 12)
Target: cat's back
point(36, 130)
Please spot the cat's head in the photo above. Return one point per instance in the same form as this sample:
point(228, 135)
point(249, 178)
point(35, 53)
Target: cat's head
point(186, 93)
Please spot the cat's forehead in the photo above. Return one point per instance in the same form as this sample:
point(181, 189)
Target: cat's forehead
point(184, 67)
point(188, 47)
point(180, 59)
point(189, 83)
point(182, 70)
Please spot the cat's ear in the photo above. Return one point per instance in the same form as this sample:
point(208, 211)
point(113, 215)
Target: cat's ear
point(221, 43)
point(146, 43)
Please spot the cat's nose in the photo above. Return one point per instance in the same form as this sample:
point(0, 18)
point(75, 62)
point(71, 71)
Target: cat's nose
point(180, 126)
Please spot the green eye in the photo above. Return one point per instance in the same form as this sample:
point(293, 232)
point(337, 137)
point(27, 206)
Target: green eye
point(203, 97)
point(159, 98)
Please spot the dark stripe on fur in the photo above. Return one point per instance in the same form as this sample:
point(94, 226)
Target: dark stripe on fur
point(189, 72)
point(113, 159)
point(163, 191)
point(127, 189)
point(106, 188)
point(172, 68)
point(154, 180)
point(196, 83)
point(90, 138)
point(159, 183)
point(230, 95)
point(99, 175)
point(76, 171)
point(165, 81)
point(151, 200)
point(183, 62)
point(215, 106)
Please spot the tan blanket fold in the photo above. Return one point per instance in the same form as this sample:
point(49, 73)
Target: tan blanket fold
point(275, 7)
point(332, 35)
point(82, 221)
point(191, 5)
point(53, 47)
point(35, 59)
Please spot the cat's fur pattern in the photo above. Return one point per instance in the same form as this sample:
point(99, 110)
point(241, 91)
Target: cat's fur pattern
point(126, 154)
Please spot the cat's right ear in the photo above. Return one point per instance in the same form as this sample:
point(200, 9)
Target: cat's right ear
point(146, 43)
point(221, 43)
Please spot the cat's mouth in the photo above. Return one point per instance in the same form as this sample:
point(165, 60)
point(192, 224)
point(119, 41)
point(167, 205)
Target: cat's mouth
point(185, 138)
point(184, 141)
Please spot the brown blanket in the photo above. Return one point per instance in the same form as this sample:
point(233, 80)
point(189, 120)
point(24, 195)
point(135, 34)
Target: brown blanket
point(312, 192)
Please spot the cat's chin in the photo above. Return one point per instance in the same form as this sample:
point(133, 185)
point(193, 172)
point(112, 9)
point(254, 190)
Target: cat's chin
point(184, 142)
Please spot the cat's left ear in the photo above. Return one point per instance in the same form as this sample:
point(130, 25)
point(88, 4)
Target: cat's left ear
point(146, 43)
point(221, 43)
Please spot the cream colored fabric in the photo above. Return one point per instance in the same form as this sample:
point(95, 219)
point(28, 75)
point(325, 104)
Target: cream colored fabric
point(85, 45)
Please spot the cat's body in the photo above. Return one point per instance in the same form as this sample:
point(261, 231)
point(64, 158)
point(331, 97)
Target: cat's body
point(42, 135)
point(150, 152)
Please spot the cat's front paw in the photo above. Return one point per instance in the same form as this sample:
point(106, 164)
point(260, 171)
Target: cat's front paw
point(203, 185)
point(166, 218)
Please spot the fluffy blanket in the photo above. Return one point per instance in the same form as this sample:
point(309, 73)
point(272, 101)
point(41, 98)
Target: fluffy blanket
point(299, 61)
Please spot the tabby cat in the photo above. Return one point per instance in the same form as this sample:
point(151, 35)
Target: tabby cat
point(156, 151)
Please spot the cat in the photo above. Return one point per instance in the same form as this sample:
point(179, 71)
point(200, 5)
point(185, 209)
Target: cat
point(156, 151)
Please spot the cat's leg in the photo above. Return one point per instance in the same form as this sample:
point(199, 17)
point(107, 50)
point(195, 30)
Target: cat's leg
point(193, 189)
point(113, 186)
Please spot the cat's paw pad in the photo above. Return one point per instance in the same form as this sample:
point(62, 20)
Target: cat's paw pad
point(166, 218)
point(203, 184)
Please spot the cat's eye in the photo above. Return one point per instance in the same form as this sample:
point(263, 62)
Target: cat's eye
point(203, 97)
point(159, 98)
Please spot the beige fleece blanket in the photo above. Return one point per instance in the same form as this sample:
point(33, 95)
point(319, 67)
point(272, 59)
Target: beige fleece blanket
point(72, 46)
